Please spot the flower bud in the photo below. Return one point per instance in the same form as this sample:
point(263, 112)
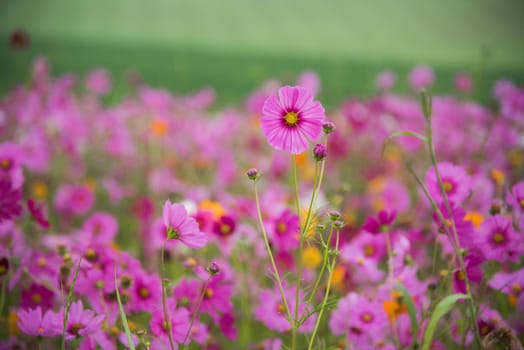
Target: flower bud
point(253, 174)
point(328, 127)
point(319, 152)
point(213, 268)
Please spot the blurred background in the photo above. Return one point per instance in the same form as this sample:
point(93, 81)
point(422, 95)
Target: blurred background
point(234, 45)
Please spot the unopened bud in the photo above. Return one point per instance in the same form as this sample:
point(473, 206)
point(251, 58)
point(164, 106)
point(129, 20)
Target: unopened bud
point(319, 152)
point(253, 174)
point(213, 268)
point(328, 127)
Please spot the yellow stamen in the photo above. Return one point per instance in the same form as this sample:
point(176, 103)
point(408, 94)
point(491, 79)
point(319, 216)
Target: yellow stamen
point(448, 186)
point(291, 118)
point(498, 237)
point(37, 298)
point(369, 250)
point(311, 257)
point(143, 292)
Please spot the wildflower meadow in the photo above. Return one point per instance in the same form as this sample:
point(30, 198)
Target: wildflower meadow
point(168, 221)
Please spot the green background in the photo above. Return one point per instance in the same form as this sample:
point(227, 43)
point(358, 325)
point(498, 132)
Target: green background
point(234, 45)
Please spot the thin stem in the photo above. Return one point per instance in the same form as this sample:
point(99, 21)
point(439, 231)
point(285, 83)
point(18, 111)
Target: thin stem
point(69, 302)
point(321, 273)
point(195, 312)
point(167, 316)
point(390, 253)
point(270, 254)
point(326, 295)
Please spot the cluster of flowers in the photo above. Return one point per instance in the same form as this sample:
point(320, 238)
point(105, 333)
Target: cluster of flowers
point(356, 262)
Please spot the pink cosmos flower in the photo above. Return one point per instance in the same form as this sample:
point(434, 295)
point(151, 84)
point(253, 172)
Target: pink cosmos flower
point(455, 180)
point(98, 81)
point(285, 232)
point(290, 118)
point(497, 239)
point(421, 76)
point(181, 226)
point(463, 83)
point(508, 282)
point(385, 80)
point(32, 322)
point(516, 197)
point(179, 325)
point(362, 320)
point(381, 224)
point(81, 322)
point(74, 199)
point(100, 228)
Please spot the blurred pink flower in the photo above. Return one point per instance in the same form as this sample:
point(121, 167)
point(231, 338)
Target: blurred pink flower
point(182, 227)
point(420, 77)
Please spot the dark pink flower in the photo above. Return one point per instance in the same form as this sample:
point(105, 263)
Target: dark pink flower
point(37, 296)
point(224, 226)
point(99, 81)
point(381, 223)
point(37, 213)
point(10, 199)
point(463, 83)
point(291, 118)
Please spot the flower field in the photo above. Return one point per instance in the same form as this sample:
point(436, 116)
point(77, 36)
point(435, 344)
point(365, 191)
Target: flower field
point(164, 221)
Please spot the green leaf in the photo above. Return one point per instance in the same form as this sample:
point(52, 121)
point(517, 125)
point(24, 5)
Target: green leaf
point(412, 311)
point(123, 317)
point(442, 308)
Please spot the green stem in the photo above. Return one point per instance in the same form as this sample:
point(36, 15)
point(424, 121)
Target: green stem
point(195, 312)
point(326, 295)
point(167, 316)
point(69, 302)
point(390, 254)
point(270, 254)
point(321, 273)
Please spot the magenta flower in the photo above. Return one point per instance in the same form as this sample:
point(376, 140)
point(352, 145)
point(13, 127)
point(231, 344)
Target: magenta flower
point(455, 181)
point(81, 322)
point(380, 224)
point(497, 239)
point(181, 226)
point(508, 282)
point(421, 76)
point(516, 197)
point(463, 83)
point(285, 233)
point(100, 228)
point(291, 118)
point(33, 323)
point(224, 226)
point(37, 213)
point(37, 296)
point(74, 199)
point(385, 80)
point(179, 324)
point(10, 199)
point(361, 320)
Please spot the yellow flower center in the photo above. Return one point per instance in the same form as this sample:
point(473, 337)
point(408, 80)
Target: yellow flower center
point(40, 330)
point(366, 317)
point(143, 292)
point(208, 293)
point(42, 262)
point(281, 309)
point(291, 118)
point(516, 288)
point(369, 250)
point(281, 228)
point(5, 164)
point(447, 186)
point(460, 275)
point(225, 229)
point(37, 298)
point(498, 237)
point(521, 203)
